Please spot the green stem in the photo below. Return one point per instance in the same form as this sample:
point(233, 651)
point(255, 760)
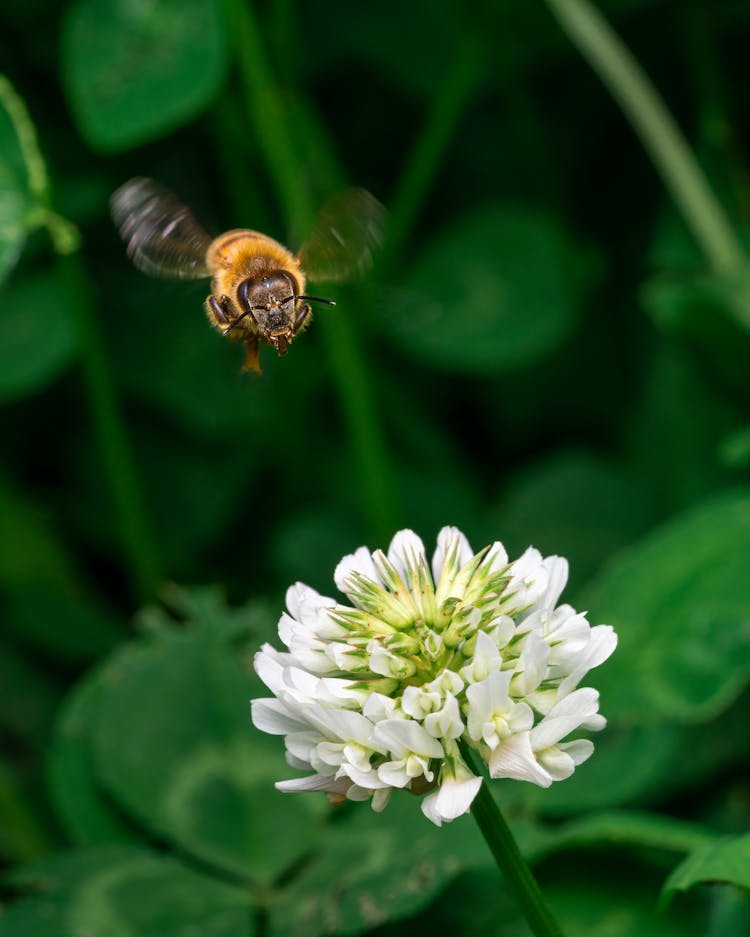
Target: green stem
point(448, 104)
point(511, 863)
point(130, 511)
point(267, 113)
point(270, 118)
point(657, 129)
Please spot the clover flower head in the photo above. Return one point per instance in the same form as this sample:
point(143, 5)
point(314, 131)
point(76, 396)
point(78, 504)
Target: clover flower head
point(377, 694)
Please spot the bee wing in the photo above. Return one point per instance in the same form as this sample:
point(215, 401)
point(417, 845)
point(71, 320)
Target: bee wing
point(162, 237)
point(346, 232)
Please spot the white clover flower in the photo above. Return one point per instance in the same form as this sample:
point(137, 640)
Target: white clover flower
point(376, 695)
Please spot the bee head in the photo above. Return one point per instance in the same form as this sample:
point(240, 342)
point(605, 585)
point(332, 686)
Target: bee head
point(271, 301)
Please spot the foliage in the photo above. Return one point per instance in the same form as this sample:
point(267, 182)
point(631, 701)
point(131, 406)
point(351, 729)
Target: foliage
point(543, 355)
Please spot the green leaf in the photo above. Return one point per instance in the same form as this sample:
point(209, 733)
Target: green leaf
point(725, 860)
point(86, 814)
point(601, 903)
point(496, 291)
point(134, 71)
point(173, 745)
point(679, 602)
point(619, 829)
point(124, 892)
point(369, 869)
point(730, 913)
point(37, 338)
point(596, 900)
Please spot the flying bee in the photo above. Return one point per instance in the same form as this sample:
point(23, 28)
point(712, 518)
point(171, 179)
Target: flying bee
point(258, 287)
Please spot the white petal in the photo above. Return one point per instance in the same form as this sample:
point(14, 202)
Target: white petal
point(447, 681)
point(405, 552)
point(379, 707)
point(299, 764)
point(301, 745)
point(558, 764)
point(501, 630)
point(529, 579)
point(393, 773)
point(445, 723)
point(387, 664)
point(531, 667)
point(569, 634)
point(272, 716)
point(450, 539)
point(268, 668)
point(310, 605)
point(557, 571)
point(358, 562)
point(485, 660)
point(287, 628)
point(310, 652)
point(513, 758)
point(486, 699)
point(404, 736)
point(345, 657)
point(380, 799)
point(315, 782)
point(602, 643)
point(300, 684)
point(411, 702)
point(452, 799)
point(594, 723)
point(293, 595)
point(565, 717)
point(496, 558)
point(359, 794)
point(368, 780)
point(338, 692)
point(342, 725)
point(579, 750)
point(430, 809)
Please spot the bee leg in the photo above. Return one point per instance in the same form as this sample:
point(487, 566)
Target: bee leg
point(221, 311)
point(252, 361)
point(302, 319)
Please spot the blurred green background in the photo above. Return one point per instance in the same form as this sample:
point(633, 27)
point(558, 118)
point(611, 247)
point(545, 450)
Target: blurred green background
point(546, 354)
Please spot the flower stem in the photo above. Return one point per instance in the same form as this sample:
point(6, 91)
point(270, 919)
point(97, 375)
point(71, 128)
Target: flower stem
point(511, 863)
point(507, 855)
point(661, 137)
point(270, 117)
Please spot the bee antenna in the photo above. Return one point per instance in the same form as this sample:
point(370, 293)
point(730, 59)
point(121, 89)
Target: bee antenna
point(317, 299)
point(248, 312)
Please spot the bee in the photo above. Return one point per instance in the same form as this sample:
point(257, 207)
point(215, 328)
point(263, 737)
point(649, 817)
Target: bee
point(258, 287)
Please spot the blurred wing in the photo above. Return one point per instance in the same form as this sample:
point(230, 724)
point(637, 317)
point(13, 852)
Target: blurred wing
point(347, 231)
point(162, 237)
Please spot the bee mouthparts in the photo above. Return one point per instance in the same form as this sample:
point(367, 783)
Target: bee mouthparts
point(281, 344)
